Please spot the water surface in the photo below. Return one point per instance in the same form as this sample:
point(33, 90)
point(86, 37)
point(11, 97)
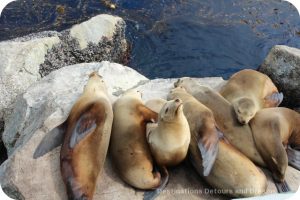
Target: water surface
point(174, 38)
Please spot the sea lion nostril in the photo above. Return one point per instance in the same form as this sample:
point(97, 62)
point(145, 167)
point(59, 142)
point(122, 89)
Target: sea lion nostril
point(177, 100)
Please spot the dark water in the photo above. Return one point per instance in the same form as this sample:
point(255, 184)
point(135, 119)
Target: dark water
point(173, 38)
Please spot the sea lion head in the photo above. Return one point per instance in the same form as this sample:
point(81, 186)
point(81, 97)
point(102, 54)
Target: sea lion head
point(133, 93)
point(244, 109)
point(171, 110)
point(182, 81)
point(175, 90)
point(96, 83)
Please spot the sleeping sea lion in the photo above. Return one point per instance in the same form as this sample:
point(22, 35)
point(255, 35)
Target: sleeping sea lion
point(129, 149)
point(249, 91)
point(276, 130)
point(85, 135)
point(240, 136)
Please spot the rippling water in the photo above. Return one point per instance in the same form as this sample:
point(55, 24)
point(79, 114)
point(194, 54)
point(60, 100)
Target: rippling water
point(173, 38)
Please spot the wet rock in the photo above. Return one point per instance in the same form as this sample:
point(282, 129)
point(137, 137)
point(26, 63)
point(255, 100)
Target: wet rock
point(100, 38)
point(282, 65)
point(25, 60)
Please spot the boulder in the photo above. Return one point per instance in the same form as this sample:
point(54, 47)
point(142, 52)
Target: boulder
point(26, 60)
point(282, 65)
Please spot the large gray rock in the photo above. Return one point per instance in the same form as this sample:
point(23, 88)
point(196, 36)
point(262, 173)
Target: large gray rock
point(19, 66)
point(282, 65)
point(25, 60)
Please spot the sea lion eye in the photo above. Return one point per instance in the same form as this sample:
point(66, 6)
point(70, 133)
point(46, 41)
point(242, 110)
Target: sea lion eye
point(166, 110)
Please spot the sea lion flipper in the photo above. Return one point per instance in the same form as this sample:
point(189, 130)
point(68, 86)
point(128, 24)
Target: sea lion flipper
point(282, 187)
point(294, 157)
point(85, 125)
point(209, 151)
point(150, 195)
point(274, 99)
point(51, 140)
point(148, 114)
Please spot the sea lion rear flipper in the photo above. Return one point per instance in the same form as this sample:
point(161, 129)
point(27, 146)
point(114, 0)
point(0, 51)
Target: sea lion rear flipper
point(294, 157)
point(51, 140)
point(209, 151)
point(282, 187)
point(274, 99)
point(150, 195)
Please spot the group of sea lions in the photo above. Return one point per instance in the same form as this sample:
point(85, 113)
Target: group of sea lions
point(222, 133)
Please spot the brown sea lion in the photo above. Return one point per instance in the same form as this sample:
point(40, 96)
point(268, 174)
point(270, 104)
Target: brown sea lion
point(202, 126)
point(249, 91)
point(274, 129)
point(86, 135)
point(129, 149)
point(233, 173)
point(169, 141)
point(240, 136)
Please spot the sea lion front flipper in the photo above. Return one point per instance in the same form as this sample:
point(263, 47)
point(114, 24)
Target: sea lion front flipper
point(51, 140)
point(150, 195)
point(282, 187)
point(294, 157)
point(148, 114)
point(274, 99)
point(85, 125)
point(209, 149)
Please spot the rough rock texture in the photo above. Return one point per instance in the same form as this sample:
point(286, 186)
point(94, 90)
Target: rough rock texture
point(100, 38)
point(19, 66)
point(47, 103)
point(25, 60)
point(282, 65)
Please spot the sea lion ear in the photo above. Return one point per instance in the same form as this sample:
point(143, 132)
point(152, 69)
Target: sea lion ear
point(176, 83)
point(52, 140)
point(85, 125)
point(274, 99)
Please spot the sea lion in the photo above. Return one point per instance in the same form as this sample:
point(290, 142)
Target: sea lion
point(240, 136)
point(129, 149)
point(202, 126)
point(233, 173)
point(249, 91)
point(169, 141)
point(274, 129)
point(86, 135)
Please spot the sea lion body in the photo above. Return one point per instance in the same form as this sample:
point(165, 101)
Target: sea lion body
point(86, 140)
point(202, 126)
point(232, 173)
point(129, 149)
point(169, 141)
point(249, 91)
point(273, 129)
point(240, 136)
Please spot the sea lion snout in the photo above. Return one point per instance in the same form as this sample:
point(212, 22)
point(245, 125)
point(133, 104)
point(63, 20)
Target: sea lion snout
point(95, 74)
